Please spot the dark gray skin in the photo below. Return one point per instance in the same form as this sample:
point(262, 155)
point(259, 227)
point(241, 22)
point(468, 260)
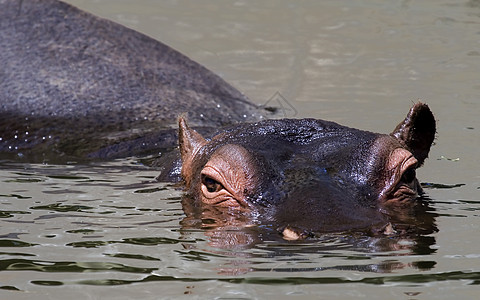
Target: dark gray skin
point(75, 85)
point(310, 176)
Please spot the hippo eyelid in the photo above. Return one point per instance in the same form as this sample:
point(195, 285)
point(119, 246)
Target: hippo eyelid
point(401, 168)
point(211, 184)
point(210, 175)
point(409, 175)
point(213, 174)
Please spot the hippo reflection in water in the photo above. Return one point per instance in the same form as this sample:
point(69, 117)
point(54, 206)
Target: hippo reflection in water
point(73, 85)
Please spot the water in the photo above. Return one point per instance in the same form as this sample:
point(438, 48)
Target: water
point(106, 230)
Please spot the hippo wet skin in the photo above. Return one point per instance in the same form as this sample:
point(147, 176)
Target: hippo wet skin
point(74, 86)
point(309, 176)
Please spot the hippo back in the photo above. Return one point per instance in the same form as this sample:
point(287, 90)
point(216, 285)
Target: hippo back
point(73, 84)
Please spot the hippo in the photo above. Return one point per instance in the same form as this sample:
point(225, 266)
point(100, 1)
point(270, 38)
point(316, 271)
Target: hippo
point(74, 86)
point(308, 176)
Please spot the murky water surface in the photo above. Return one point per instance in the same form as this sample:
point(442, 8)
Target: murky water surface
point(106, 230)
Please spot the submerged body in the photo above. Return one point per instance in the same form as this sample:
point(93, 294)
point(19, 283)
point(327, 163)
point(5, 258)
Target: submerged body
point(75, 85)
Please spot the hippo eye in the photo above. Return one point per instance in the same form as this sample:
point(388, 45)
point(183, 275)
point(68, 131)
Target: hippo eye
point(409, 175)
point(211, 184)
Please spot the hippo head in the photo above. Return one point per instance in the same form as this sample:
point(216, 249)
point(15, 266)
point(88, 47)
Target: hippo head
point(306, 175)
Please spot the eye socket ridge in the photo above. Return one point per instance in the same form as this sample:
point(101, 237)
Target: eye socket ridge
point(215, 189)
point(400, 174)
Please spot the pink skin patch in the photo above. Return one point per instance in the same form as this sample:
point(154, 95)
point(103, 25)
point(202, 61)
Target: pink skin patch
point(399, 185)
point(227, 176)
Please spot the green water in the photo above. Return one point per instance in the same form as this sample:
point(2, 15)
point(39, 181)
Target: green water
point(107, 230)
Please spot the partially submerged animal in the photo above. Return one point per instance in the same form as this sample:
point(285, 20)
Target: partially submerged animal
point(74, 86)
point(309, 175)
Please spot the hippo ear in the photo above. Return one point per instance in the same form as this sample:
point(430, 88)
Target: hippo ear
point(190, 142)
point(417, 131)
